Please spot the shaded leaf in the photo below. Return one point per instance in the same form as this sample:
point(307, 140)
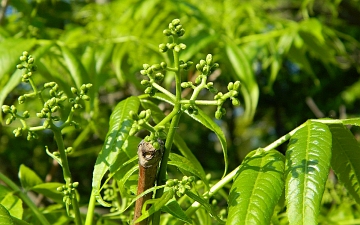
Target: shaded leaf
point(119, 128)
point(28, 177)
point(186, 165)
point(346, 159)
point(49, 190)
point(173, 208)
point(307, 166)
point(242, 67)
point(257, 188)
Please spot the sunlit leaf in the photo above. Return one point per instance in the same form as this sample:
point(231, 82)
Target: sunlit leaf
point(120, 124)
point(257, 188)
point(5, 218)
point(13, 204)
point(186, 165)
point(307, 167)
point(49, 190)
point(173, 208)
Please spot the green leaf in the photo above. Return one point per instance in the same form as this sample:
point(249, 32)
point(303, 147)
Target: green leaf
point(242, 67)
point(257, 188)
point(157, 204)
point(346, 159)
point(119, 128)
point(5, 218)
point(205, 120)
point(307, 166)
point(28, 177)
point(103, 57)
point(49, 190)
point(173, 208)
point(13, 204)
point(352, 121)
point(185, 164)
point(75, 67)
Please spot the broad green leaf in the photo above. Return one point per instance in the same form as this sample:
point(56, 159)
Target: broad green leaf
point(257, 188)
point(173, 208)
point(346, 158)
point(28, 177)
point(13, 204)
point(119, 128)
point(123, 175)
point(103, 57)
point(5, 218)
point(242, 67)
point(307, 167)
point(205, 120)
point(75, 67)
point(49, 190)
point(185, 164)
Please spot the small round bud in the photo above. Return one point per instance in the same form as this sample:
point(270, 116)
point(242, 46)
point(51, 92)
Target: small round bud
point(21, 99)
point(206, 69)
point(156, 145)
point(13, 109)
point(198, 80)
point(185, 85)
point(202, 63)
point(146, 66)
point(167, 32)
point(163, 48)
point(171, 46)
point(31, 60)
point(23, 58)
point(218, 115)
point(235, 102)
point(182, 46)
point(170, 183)
point(19, 66)
point(199, 67)
point(146, 83)
point(159, 77)
point(177, 48)
point(5, 108)
point(237, 85)
point(142, 114)
point(74, 90)
point(163, 65)
point(25, 53)
point(85, 98)
point(175, 22)
point(8, 121)
point(75, 184)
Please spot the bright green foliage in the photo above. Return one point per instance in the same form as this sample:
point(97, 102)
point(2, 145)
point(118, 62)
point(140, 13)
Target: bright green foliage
point(257, 188)
point(307, 166)
point(120, 124)
point(346, 159)
point(5, 217)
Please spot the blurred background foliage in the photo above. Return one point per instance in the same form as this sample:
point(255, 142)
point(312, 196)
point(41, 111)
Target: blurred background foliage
point(296, 60)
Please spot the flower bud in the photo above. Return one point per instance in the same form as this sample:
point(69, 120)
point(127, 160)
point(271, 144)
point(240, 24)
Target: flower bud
point(85, 97)
point(25, 53)
point(23, 58)
point(218, 115)
point(167, 32)
point(146, 66)
point(177, 48)
point(146, 83)
point(237, 85)
point(182, 46)
point(19, 66)
point(230, 86)
point(175, 22)
point(209, 59)
point(156, 67)
point(31, 60)
point(5, 108)
point(235, 101)
point(13, 109)
point(74, 90)
point(163, 48)
point(26, 114)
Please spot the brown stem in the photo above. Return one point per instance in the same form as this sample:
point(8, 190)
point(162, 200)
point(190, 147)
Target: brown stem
point(149, 159)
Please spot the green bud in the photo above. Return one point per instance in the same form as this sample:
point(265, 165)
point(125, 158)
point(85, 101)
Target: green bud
point(182, 46)
point(206, 69)
point(23, 58)
point(218, 115)
point(175, 22)
point(148, 90)
point(167, 32)
point(46, 124)
point(21, 99)
point(8, 121)
point(74, 90)
point(198, 80)
point(171, 46)
point(163, 48)
point(5, 108)
point(170, 183)
point(31, 60)
point(177, 48)
point(237, 85)
point(185, 85)
point(142, 114)
point(156, 145)
point(18, 132)
point(146, 66)
point(13, 109)
point(209, 59)
point(88, 86)
point(235, 101)
point(85, 98)
point(202, 62)
point(55, 108)
point(159, 77)
point(199, 67)
point(25, 53)
point(163, 65)
point(230, 86)
point(26, 114)
point(215, 65)
point(146, 83)
point(19, 66)
point(133, 115)
point(75, 184)
point(69, 150)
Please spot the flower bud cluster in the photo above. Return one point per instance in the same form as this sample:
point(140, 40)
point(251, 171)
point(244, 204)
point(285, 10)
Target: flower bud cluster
point(175, 29)
point(182, 186)
point(234, 89)
point(191, 108)
point(68, 191)
point(80, 95)
point(140, 120)
point(154, 73)
point(27, 63)
point(206, 67)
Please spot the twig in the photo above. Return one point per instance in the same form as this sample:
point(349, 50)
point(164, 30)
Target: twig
point(149, 159)
point(312, 105)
